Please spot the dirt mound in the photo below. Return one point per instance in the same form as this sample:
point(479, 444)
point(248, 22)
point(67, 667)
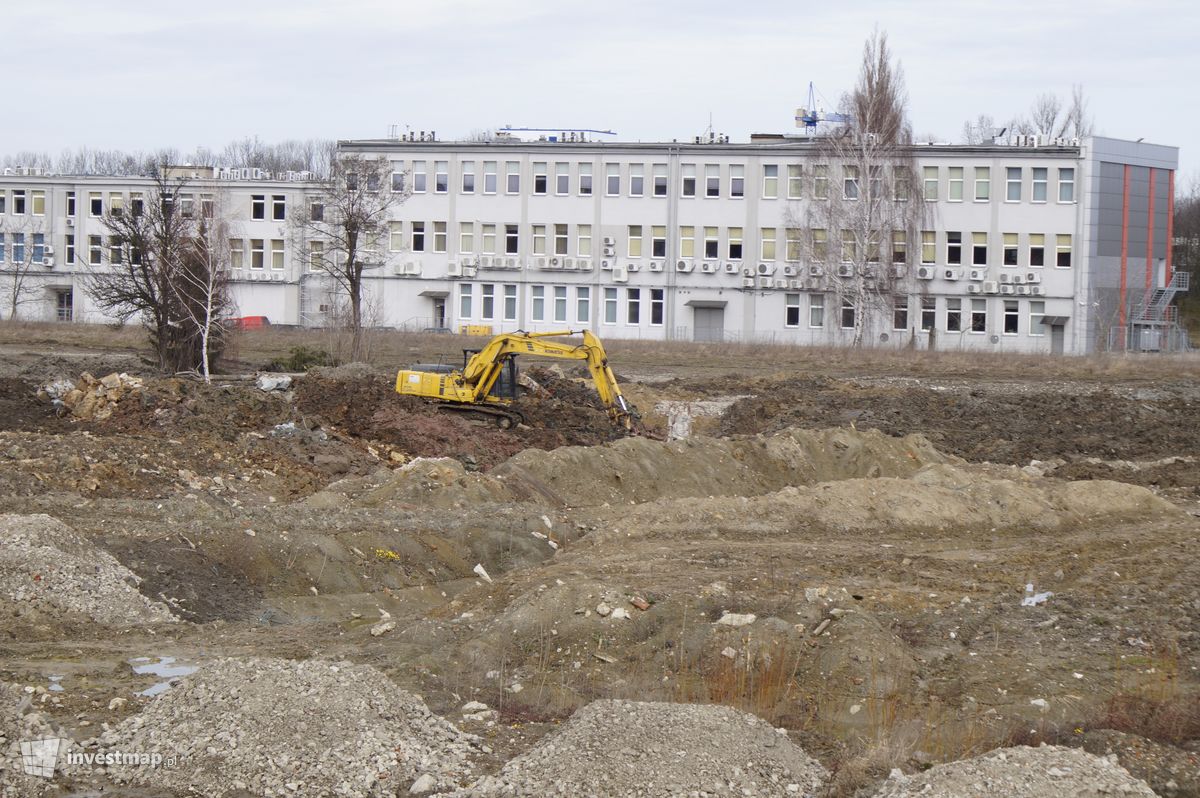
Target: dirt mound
point(1020, 773)
point(22, 408)
point(280, 727)
point(644, 749)
point(46, 570)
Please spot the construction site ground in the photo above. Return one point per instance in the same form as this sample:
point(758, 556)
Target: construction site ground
point(900, 558)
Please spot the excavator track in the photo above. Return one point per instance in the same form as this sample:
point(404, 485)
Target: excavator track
point(502, 417)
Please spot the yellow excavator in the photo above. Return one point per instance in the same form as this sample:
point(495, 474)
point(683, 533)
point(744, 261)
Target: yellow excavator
point(487, 385)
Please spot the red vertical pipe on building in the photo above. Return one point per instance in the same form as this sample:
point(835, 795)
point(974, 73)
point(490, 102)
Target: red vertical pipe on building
point(1170, 224)
point(1124, 244)
point(1150, 236)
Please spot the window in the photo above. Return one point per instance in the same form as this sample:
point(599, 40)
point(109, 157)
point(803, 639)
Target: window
point(978, 315)
point(278, 207)
point(187, 204)
point(257, 253)
point(633, 306)
point(735, 243)
point(874, 182)
point(660, 180)
point(610, 306)
point(1012, 190)
point(510, 302)
point(634, 248)
point(979, 249)
point(1037, 249)
point(511, 240)
point(847, 314)
point(928, 313)
point(70, 249)
point(612, 179)
point(96, 250)
point(688, 180)
point(468, 177)
point(900, 313)
point(137, 206)
point(583, 304)
point(955, 192)
point(795, 185)
point(983, 183)
point(19, 201)
point(687, 241)
point(1039, 184)
point(561, 240)
point(258, 206)
point(930, 189)
point(39, 202)
point(737, 181)
point(767, 248)
point(488, 234)
point(1066, 187)
point(70, 203)
point(562, 179)
point(1012, 318)
point(398, 179)
point(1010, 249)
point(820, 182)
point(585, 180)
point(487, 301)
point(441, 177)
point(658, 241)
point(207, 207)
point(372, 181)
point(64, 304)
point(583, 240)
point(712, 243)
point(953, 315)
point(712, 180)
point(316, 255)
point(899, 246)
point(560, 303)
point(541, 180)
point(816, 310)
point(464, 300)
point(539, 239)
point(849, 246)
point(820, 244)
point(1037, 311)
point(418, 172)
point(850, 182)
point(277, 253)
point(237, 252)
point(489, 177)
point(18, 248)
point(466, 237)
point(791, 310)
point(316, 212)
point(95, 203)
point(901, 183)
point(954, 249)
point(418, 236)
point(928, 246)
point(657, 306)
point(770, 181)
point(1, 247)
point(512, 177)
point(539, 303)
point(1062, 252)
point(637, 180)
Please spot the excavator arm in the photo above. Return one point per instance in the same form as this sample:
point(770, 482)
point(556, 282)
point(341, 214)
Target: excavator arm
point(473, 385)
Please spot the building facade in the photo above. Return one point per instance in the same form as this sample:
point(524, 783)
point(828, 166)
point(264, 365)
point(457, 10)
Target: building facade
point(1059, 247)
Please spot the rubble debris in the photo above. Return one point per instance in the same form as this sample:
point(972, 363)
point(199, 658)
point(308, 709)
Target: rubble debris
point(96, 399)
point(737, 619)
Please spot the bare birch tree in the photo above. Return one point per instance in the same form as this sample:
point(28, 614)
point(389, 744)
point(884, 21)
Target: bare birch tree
point(862, 223)
point(343, 233)
point(201, 285)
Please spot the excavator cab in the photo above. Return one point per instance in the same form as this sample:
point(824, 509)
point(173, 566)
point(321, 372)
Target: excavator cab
point(505, 387)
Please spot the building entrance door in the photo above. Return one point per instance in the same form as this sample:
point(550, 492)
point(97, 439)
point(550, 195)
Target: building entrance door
point(708, 325)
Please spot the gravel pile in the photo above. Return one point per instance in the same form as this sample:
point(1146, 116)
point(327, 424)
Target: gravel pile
point(1021, 773)
point(610, 749)
point(20, 721)
point(46, 566)
point(283, 728)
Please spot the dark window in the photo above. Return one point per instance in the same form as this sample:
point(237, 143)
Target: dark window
point(258, 206)
point(954, 248)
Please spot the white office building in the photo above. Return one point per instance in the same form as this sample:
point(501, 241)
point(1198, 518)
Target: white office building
point(1030, 246)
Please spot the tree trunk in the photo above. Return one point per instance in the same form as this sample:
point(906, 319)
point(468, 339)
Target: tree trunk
point(356, 332)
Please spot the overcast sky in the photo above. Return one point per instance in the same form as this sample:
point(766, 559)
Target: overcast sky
point(143, 75)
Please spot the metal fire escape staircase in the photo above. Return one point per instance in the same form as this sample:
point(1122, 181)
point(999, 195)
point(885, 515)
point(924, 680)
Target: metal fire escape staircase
point(1156, 316)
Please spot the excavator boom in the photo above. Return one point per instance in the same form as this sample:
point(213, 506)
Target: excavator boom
point(473, 386)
